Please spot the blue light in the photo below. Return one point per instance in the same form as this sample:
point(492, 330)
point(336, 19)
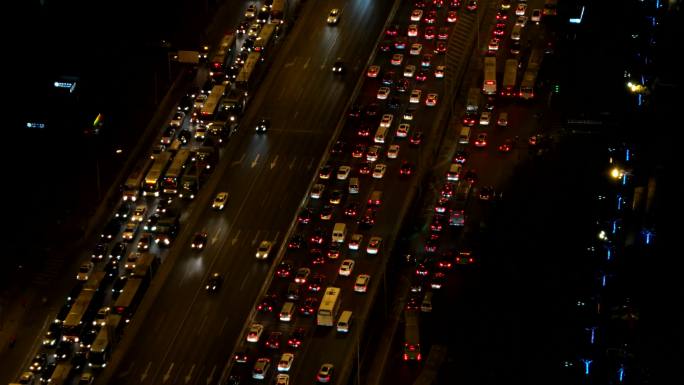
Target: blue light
point(603, 281)
point(593, 334)
point(627, 155)
point(657, 4)
point(614, 226)
point(608, 254)
point(587, 364)
point(621, 373)
point(639, 100)
point(619, 206)
point(577, 20)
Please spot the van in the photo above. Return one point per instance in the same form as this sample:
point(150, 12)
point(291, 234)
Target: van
point(344, 321)
point(515, 34)
point(426, 305)
point(464, 136)
point(339, 232)
point(375, 198)
point(454, 172)
point(380, 134)
point(353, 185)
point(287, 311)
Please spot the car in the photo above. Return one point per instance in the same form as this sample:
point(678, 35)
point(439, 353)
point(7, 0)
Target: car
point(305, 216)
point(416, 49)
point(358, 151)
point(284, 269)
point(430, 17)
point(440, 48)
point(317, 191)
point(469, 119)
point(393, 151)
point(261, 368)
point(493, 45)
point(52, 335)
point(251, 11)
point(334, 250)
point(373, 71)
point(262, 125)
point(520, 9)
point(338, 66)
point(38, 363)
point(351, 210)
point(268, 303)
point(421, 76)
point(373, 153)
point(365, 167)
point(426, 61)
point(214, 282)
point(335, 197)
point(409, 71)
point(429, 33)
point(309, 307)
point(486, 193)
point(502, 119)
point(84, 271)
point(220, 201)
point(346, 267)
point(368, 218)
point(374, 245)
point(485, 117)
point(406, 168)
point(355, 241)
point(253, 30)
point(416, 138)
point(177, 119)
point(383, 93)
point(379, 170)
point(343, 172)
point(326, 212)
point(399, 43)
point(297, 337)
point(285, 362)
point(471, 5)
point(397, 59)
point(412, 30)
point(506, 146)
point(139, 213)
point(464, 257)
point(460, 157)
point(264, 250)
point(415, 96)
point(282, 379)
point(501, 15)
point(325, 373)
point(199, 240)
point(302, 275)
point(392, 30)
point(515, 47)
point(99, 252)
point(521, 21)
point(273, 341)
point(334, 16)
point(167, 135)
point(386, 120)
point(123, 211)
point(452, 17)
point(431, 99)
point(144, 242)
point(241, 357)
point(481, 140)
point(385, 45)
point(254, 332)
point(536, 15)
point(443, 33)
point(316, 282)
point(118, 285)
point(409, 113)
point(86, 378)
point(470, 176)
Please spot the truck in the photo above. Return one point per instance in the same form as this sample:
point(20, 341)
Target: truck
point(473, 101)
point(234, 105)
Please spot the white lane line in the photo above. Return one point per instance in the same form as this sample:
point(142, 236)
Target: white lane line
point(275, 160)
point(307, 62)
point(308, 166)
point(235, 163)
point(275, 239)
point(168, 373)
point(244, 280)
point(254, 241)
point(211, 375)
point(292, 163)
point(225, 322)
point(256, 160)
point(143, 376)
point(189, 376)
point(235, 239)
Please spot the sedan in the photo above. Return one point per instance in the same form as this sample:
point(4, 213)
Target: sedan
point(416, 15)
point(84, 271)
point(415, 96)
point(361, 283)
point(285, 362)
point(412, 30)
point(386, 120)
point(220, 201)
point(481, 140)
point(485, 118)
point(325, 373)
point(317, 191)
point(254, 332)
point(302, 275)
point(343, 172)
point(373, 71)
point(346, 267)
point(521, 9)
point(374, 245)
point(264, 250)
point(409, 71)
point(383, 93)
point(431, 100)
point(416, 49)
point(393, 151)
point(199, 241)
point(214, 283)
point(379, 170)
point(333, 16)
point(98, 252)
point(397, 59)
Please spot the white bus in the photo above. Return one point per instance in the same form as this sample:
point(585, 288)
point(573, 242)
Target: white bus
point(278, 12)
point(133, 184)
point(489, 82)
point(154, 175)
point(529, 79)
point(246, 77)
point(173, 175)
point(510, 77)
point(330, 305)
point(211, 104)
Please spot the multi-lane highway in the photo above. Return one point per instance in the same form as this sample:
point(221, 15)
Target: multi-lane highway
point(188, 334)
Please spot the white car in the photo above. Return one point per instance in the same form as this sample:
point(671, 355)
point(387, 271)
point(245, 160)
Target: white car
point(250, 13)
point(361, 283)
point(431, 99)
point(520, 9)
point(373, 153)
point(415, 96)
point(503, 119)
point(397, 59)
point(374, 245)
point(254, 332)
point(393, 151)
point(282, 379)
point(416, 49)
point(220, 201)
point(521, 21)
point(177, 120)
point(383, 93)
point(386, 120)
point(84, 271)
point(343, 172)
point(317, 191)
point(536, 15)
point(355, 241)
point(485, 118)
point(439, 71)
point(409, 71)
point(493, 45)
point(139, 213)
point(373, 71)
point(403, 130)
point(413, 30)
point(379, 170)
point(346, 267)
point(285, 362)
point(264, 250)
point(416, 15)
point(334, 16)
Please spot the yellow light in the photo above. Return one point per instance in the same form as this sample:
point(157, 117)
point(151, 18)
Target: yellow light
point(602, 235)
point(616, 173)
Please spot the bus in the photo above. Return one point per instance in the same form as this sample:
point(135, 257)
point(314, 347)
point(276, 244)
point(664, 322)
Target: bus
point(190, 182)
point(330, 305)
point(62, 374)
point(173, 175)
point(529, 79)
point(217, 66)
point(489, 82)
point(265, 39)
point(130, 298)
point(246, 78)
point(211, 104)
point(100, 350)
point(154, 175)
point(145, 266)
point(133, 184)
point(84, 307)
point(205, 158)
point(510, 77)
point(411, 336)
point(550, 8)
point(278, 12)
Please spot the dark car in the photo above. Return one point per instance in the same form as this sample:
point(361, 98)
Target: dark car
point(53, 335)
point(64, 351)
point(123, 211)
point(284, 269)
point(338, 147)
point(185, 136)
point(118, 285)
point(309, 306)
point(99, 251)
point(296, 242)
point(214, 283)
point(316, 282)
point(338, 66)
point(416, 137)
point(118, 251)
point(305, 216)
point(112, 268)
point(351, 210)
point(268, 303)
point(273, 341)
point(296, 338)
point(262, 125)
point(111, 230)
